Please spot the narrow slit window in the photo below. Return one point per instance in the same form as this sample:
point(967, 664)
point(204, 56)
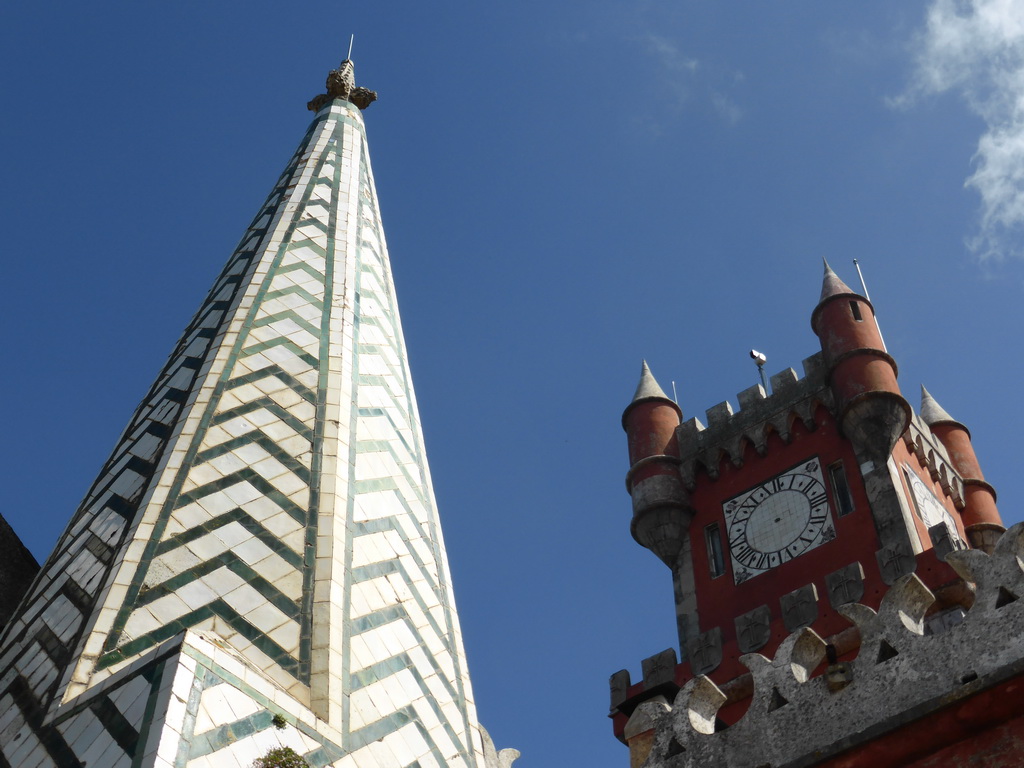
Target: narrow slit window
point(855, 308)
point(841, 488)
point(716, 560)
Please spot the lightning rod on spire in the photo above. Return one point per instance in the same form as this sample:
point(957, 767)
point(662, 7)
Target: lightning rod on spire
point(864, 287)
point(351, 40)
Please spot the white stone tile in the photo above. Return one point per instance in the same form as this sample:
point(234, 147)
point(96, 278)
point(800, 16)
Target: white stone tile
point(244, 598)
point(141, 622)
point(206, 547)
point(232, 534)
point(167, 608)
point(242, 493)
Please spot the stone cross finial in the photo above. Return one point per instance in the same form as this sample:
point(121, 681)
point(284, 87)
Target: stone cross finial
point(341, 84)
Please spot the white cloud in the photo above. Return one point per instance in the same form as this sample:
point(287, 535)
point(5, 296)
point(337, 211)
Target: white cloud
point(726, 107)
point(679, 78)
point(976, 48)
point(678, 69)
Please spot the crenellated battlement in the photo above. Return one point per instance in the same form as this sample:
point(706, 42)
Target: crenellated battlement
point(904, 671)
point(728, 432)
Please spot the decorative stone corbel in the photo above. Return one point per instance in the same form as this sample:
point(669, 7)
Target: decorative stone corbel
point(492, 757)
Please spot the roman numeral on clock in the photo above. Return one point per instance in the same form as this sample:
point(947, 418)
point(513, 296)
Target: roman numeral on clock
point(817, 499)
point(744, 553)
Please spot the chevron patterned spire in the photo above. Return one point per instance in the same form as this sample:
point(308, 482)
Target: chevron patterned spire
point(260, 560)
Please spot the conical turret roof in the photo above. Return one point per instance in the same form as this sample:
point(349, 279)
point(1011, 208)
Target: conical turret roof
point(932, 412)
point(648, 386)
point(832, 285)
point(648, 389)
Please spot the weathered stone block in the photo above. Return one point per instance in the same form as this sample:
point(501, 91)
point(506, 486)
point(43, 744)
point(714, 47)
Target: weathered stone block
point(719, 414)
point(752, 397)
point(845, 585)
point(754, 629)
point(619, 685)
point(799, 607)
point(895, 560)
point(784, 380)
point(706, 652)
point(943, 540)
point(659, 669)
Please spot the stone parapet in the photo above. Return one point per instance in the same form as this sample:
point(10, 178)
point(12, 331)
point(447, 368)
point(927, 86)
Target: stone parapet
point(906, 671)
point(727, 433)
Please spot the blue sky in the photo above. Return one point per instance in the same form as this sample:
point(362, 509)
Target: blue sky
point(567, 188)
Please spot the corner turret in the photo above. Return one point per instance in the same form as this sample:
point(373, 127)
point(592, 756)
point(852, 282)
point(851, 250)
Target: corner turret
point(982, 521)
point(661, 515)
point(872, 411)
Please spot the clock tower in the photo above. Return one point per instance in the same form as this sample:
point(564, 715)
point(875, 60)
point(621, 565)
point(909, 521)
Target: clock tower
point(825, 491)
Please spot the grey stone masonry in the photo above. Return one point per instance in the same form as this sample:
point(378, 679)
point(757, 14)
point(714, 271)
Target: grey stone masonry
point(845, 585)
point(659, 669)
point(799, 607)
point(705, 651)
point(895, 561)
point(943, 540)
point(760, 414)
point(903, 672)
point(754, 629)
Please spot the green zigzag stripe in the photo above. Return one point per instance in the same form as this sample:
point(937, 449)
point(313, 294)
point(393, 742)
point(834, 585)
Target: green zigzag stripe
point(389, 523)
point(236, 565)
point(288, 314)
point(298, 290)
point(299, 669)
point(386, 567)
point(240, 516)
point(281, 341)
point(256, 480)
point(388, 616)
point(216, 739)
point(215, 608)
point(383, 279)
point(266, 404)
point(393, 666)
point(279, 373)
point(257, 437)
point(302, 266)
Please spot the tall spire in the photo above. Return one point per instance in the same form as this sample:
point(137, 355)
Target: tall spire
point(260, 560)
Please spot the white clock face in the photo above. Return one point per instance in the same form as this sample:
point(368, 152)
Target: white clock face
point(778, 520)
point(929, 508)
